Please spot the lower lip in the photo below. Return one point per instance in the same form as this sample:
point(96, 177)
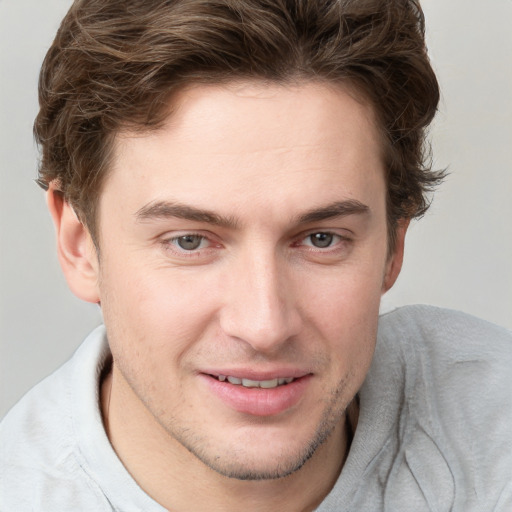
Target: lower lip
point(258, 401)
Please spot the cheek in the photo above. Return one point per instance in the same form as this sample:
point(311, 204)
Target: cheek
point(343, 311)
point(157, 309)
point(344, 296)
point(153, 320)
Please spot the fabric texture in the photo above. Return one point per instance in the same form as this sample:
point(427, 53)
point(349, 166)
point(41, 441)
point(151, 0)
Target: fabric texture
point(434, 431)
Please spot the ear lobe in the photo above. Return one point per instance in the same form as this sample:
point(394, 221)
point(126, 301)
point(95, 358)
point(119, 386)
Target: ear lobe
point(75, 249)
point(395, 260)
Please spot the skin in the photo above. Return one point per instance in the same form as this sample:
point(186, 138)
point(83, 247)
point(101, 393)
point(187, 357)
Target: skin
point(279, 170)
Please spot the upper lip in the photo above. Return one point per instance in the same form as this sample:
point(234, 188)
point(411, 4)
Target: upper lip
point(258, 375)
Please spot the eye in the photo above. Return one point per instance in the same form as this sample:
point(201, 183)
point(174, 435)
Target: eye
point(190, 242)
point(190, 248)
point(322, 240)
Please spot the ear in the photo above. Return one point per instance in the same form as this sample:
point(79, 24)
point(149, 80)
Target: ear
point(396, 258)
point(75, 249)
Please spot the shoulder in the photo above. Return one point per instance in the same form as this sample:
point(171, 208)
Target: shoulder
point(39, 461)
point(456, 407)
point(462, 363)
point(447, 335)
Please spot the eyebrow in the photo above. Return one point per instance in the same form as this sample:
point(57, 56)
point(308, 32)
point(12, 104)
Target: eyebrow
point(337, 209)
point(166, 209)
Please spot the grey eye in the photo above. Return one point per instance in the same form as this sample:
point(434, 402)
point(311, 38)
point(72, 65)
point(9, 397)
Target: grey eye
point(189, 242)
point(321, 240)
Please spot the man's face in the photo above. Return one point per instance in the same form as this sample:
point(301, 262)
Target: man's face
point(243, 255)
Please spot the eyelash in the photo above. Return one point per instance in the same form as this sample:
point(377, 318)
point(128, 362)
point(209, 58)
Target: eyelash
point(337, 239)
point(171, 244)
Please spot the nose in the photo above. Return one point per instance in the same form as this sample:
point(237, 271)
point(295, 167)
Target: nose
point(260, 307)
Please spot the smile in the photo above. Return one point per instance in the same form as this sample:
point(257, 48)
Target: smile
point(258, 395)
point(249, 383)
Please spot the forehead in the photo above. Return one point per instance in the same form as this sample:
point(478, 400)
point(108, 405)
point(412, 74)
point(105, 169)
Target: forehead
point(245, 139)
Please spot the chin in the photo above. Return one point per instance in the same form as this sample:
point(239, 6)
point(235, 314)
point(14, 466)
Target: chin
point(274, 467)
point(257, 461)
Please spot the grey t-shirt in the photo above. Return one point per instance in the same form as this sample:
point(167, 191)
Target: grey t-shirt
point(434, 430)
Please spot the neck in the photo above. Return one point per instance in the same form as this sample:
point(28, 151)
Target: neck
point(179, 481)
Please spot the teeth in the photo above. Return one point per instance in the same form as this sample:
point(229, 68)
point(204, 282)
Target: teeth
point(269, 384)
point(248, 383)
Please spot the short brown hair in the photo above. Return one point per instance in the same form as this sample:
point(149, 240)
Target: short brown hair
point(114, 63)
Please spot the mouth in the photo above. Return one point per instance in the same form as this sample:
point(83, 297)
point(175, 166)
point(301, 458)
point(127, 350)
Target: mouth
point(250, 383)
point(260, 394)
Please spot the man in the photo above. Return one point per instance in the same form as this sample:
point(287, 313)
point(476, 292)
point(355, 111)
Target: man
point(232, 182)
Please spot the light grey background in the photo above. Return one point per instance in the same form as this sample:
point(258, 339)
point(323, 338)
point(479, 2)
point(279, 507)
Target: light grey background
point(458, 256)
